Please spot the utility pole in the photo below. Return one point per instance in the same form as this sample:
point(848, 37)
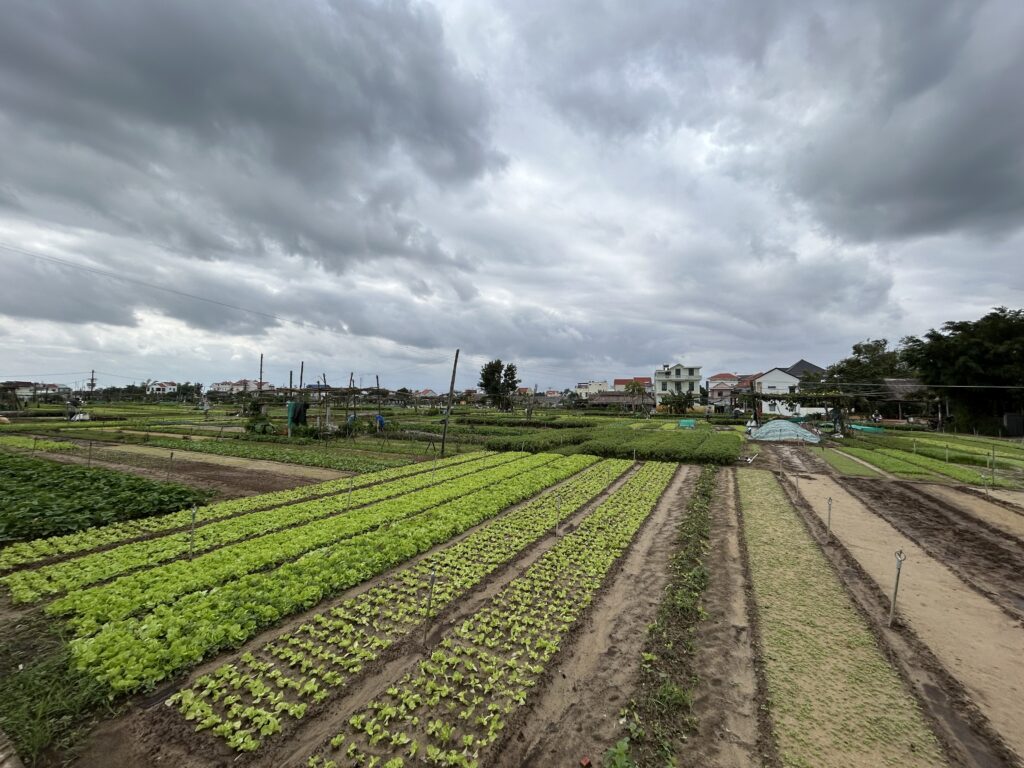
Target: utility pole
point(302, 368)
point(92, 383)
point(378, 393)
point(259, 382)
point(451, 396)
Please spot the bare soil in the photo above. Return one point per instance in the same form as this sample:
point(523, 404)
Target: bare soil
point(959, 652)
point(576, 714)
point(228, 477)
point(725, 705)
point(983, 556)
point(998, 516)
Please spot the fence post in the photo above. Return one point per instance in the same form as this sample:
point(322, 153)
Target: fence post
point(170, 461)
point(828, 528)
point(900, 557)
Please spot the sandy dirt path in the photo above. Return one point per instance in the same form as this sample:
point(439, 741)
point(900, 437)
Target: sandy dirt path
point(995, 515)
point(984, 557)
point(577, 713)
point(975, 640)
point(725, 701)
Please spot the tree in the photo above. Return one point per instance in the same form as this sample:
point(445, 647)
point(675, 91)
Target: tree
point(499, 381)
point(678, 402)
point(637, 390)
point(871, 362)
point(969, 362)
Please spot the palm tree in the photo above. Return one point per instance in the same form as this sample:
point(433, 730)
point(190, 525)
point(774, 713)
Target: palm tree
point(637, 390)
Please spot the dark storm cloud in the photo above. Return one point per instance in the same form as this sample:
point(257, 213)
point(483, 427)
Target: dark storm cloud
point(588, 188)
point(228, 129)
point(889, 119)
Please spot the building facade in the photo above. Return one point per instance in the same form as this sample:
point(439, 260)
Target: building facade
point(585, 389)
point(676, 379)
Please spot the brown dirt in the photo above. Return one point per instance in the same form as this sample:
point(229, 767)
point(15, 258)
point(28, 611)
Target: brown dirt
point(998, 516)
point(983, 556)
point(969, 682)
point(725, 701)
point(577, 713)
point(150, 734)
point(794, 459)
point(227, 479)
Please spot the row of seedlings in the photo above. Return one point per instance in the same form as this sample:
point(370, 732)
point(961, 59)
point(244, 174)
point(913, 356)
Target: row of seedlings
point(48, 580)
point(139, 651)
point(21, 554)
point(245, 701)
point(454, 705)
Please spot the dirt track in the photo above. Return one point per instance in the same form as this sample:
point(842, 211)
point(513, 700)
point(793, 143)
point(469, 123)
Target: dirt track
point(576, 715)
point(972, 640)
point(983, 556)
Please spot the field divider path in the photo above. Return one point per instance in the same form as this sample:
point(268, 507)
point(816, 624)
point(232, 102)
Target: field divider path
point(980, 554)
point(970, 682)
point(37, 583)
point(21, 554)
point(140, 651)
point(90, 608)
point(451, 708)
point(311, 664)
point(834, 697)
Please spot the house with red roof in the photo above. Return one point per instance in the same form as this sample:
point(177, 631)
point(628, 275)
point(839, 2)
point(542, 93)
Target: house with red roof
point(619, 385)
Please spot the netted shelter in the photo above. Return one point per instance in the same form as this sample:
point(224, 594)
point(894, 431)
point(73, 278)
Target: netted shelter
point(780, 430)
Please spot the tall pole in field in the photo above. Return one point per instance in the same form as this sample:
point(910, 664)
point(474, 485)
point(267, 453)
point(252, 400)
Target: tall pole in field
point(451, 396)
point(259, 382)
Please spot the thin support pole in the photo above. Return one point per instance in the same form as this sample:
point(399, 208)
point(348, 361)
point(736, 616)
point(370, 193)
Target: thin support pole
point(900, 558)
point(90, 452)
point(828, 528)
point(192, 534)
point(170, 461)
point(430, 602)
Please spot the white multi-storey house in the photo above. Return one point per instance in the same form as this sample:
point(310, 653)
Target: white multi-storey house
point(585, 389)
point(676, 379)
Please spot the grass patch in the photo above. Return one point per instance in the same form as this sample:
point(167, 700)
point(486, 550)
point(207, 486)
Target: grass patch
point(44, 703)
point(834, 698)
point(845, 465)
point(660, 716)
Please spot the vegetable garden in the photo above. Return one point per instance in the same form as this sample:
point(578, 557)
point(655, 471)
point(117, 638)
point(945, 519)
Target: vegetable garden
point(419, 612)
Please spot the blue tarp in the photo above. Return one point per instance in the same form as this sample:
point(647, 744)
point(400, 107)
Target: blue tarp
point(780, 430)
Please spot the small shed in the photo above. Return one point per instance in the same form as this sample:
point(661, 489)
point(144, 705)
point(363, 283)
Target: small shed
point(780, 430)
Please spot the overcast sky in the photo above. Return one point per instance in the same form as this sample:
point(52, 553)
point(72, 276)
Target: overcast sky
point(587, 188)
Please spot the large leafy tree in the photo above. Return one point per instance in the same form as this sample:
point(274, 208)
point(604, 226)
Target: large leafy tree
point(678, 402)
point(977, 365)
point(499, 381)
point(862, 373)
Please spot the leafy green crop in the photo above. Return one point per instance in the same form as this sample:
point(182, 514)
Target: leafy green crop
point(454, 705)
point(42, 498)
point(24, 553)
point(324, 653)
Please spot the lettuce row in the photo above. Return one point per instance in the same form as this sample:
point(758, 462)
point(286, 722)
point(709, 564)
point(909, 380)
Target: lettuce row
point(34, 585)
point(138, 652)
point(453, 706)
point(92, 607)
point(27, 552)
point(247, 699)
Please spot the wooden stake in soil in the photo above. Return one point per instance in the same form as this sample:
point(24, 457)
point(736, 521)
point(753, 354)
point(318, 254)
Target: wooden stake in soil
point(170, 461)
point(430, 601)
point(828, 529)
point(900, 557)
point(90, 452)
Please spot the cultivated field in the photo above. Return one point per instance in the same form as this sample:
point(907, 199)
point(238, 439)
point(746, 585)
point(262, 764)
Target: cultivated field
point(556, 592)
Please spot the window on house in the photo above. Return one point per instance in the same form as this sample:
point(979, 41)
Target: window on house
point(679, 371)
point(691, 386)
point(664, 386)
point(690, 371)
point(771, 386)
point(792, 390)
point(679, 387)
point(771, 406)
